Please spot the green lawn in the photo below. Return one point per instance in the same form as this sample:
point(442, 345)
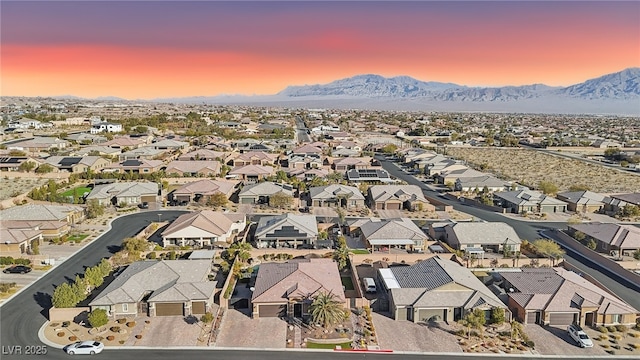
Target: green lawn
point(347, 283)
point(77, 238)
point(359, 251)
point(80, 190)
point(312, 345)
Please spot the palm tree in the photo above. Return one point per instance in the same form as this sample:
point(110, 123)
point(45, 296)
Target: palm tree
point(326, 310)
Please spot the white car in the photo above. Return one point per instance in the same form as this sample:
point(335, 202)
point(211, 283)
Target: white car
point(580, 336)
point(85, 348)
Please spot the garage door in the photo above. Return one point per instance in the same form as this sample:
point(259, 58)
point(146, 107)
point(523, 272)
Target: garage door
point(431, 315)
point(531, 317)
point(198, 307)
point(169, 309)
point(561, 319)
point(402, 313)
point(271, 310)
point(393, 206)
point(148, 198)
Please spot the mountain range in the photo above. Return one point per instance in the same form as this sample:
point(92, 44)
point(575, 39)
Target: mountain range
point(616, 93)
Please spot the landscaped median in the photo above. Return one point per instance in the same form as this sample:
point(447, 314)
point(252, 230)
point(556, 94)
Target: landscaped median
point(121, 332)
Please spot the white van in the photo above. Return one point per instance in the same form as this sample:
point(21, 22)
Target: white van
point(369, 285)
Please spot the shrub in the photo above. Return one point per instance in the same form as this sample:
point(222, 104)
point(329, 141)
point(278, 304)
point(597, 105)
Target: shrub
point(60, 334)
point(151, 255)
point(115, 329)
point(131, 324)
point(207, 318)
point(111, 337)
point(73, 338)
point(635, 346)
point(5, 287)
point(603, 329)
point(611, 328)
point(98, 318)
point(622, 328)
point(121, 342)
point(122, 321)
point(138, 336)
point(530, 344)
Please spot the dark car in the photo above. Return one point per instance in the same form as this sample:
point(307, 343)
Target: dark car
point(17, 269)
point(144, 205)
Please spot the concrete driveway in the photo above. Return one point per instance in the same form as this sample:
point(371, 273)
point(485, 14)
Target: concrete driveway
point(239, 330)
point(550, 340)
point(407, 336)
point(169, 331)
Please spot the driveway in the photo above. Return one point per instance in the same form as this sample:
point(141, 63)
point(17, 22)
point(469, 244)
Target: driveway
point(169, 331)
point(550, 340)
point(407, 336)
point(239, 330)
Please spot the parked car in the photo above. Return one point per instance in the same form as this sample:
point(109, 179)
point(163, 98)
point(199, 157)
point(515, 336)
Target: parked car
point(579, 336)
point(85, 348)
point(17, 269)
point(144, 205)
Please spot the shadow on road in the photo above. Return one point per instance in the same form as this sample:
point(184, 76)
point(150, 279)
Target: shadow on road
point(44, 300)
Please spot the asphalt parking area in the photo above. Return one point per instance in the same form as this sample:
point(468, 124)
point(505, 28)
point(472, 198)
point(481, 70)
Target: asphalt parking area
point(550, 340)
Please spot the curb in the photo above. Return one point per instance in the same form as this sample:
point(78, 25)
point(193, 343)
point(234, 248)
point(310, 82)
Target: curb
point(44, 339)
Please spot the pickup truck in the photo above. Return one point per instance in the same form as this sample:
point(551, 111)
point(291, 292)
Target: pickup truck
point(579, 336)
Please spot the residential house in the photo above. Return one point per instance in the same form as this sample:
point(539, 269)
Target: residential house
point(50, 230)
point(485, 182)
point(96, 150)
point(375, 176)
point(123, 142)
point(345, 153)
point(159, 288)
point(627, 199)
point(203, 154)
point(307, 150)
point(252, 158)
point(86, 139)
point(204, 228)
point(348, 163)
point(12, 163)
point(77, 165)
point(559, 297)
point(139, 166)
point(337, 195)
point(193, 168)
point(201, 190)
point(480, 237)
point(260, 193)
point(288, 289)
point(610, 238)
point(18, 240)
point(450, 177)
point(436, 290)
point(302, 162)
point(144, 152)
point(169, 144)
point(124, 193)
point(384, 234)
point(71, 214)
point(397, 197)
point(287, 230)
point(524, 201)
point(251, 174)
point(584, 201)
point(106, 127)
point(39, 144)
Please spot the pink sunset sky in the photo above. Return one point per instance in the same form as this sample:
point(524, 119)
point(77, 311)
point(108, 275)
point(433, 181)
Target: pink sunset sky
point(150, 49)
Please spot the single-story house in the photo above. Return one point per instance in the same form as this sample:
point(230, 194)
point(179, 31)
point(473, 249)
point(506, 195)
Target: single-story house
point(480, 237)
point(51, 229)
point(369, 176)
point(488, 182)
point(197, 190)
point(260, 193)
point(286, 230)
point(397, 197)
point(337, 195)
point(18, 240)
point(159, 288)
point(288, 289)
point(524, 201)
point(253, 158)
point(124, 193)
point(203, 228)
point(347, 163)
point(141, 166)
point(436, 290)
point(398, 233)
point(251, 174)
point(77, 165)
point(556, 296)
point(584, 201)
point(70, 214)
point(203, 154)
point(193, 168)
point(12, 163)
point(623, 239)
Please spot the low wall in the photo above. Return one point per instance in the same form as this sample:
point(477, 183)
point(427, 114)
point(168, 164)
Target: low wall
point(67, 314)
point(476, 203)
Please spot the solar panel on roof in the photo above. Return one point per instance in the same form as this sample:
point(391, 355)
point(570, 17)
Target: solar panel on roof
point(68, 161)
point(132, 162)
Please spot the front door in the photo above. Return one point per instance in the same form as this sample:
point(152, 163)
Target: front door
point(143, 308)
point(588, 319)
point(538, 317)
point(297, 310)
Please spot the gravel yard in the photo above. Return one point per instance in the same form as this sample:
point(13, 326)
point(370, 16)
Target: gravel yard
point(407, 336)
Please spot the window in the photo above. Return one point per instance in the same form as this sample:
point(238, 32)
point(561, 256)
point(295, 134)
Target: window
point(616, 318)
point(125, 307)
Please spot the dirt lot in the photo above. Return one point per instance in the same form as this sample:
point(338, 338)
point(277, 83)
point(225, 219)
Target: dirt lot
point(530, 167)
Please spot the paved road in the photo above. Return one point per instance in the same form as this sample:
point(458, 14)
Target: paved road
point(529, 230)
point(22, 316)
point(301, 131)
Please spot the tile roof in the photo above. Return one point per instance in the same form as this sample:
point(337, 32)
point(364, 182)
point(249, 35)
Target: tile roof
point(401, 231)
point(382, 193)
point(621, 236)
point(193, 166)
point(252, 170)
point(306, 224)
point(266, 188)
point(334, 190)
point(39, 212)
point(489, 233)
point(213, 222)
point(207, 187)
point(123, 189)
point(277, 282)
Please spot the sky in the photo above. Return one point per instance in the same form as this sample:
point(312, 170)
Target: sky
point(154, 49)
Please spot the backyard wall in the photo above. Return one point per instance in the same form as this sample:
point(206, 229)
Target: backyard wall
point(66, 314)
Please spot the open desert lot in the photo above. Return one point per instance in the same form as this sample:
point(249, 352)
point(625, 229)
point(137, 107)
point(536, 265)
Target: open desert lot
point(530, 167)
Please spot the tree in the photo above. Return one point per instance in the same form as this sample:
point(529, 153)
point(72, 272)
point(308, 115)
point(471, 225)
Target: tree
point(579, 235)
point(242, 250)
point(94, 276)
point(207, 318)
point(27, 166)
point(105, 267)
point(44, 169)
point(592, 244)
point(548, 248)
point(497, 316)
point(473, 320)
point(64, 296)
point(326, 310)
point(341, 256)
point(547, 187)
point(280, 200)
point(79, 288)
point(98, 318)
point(94, 209)
point(218, 199)
point(389, 149)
